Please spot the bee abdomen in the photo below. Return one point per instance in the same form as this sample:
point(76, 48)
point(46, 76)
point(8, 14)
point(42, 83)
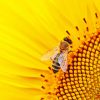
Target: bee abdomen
point(56, 63)
point(56, 67)
point(55, 71)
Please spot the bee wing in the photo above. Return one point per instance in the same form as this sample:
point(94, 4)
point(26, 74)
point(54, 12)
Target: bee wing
point(50, 55)
point(63, 61)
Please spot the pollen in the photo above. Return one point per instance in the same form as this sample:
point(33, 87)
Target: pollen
point(81, 81)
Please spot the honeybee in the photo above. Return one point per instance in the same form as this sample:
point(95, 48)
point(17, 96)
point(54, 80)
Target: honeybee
point(58, 55)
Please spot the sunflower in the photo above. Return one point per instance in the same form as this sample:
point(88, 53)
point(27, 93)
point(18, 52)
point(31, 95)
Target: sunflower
point(30, 28)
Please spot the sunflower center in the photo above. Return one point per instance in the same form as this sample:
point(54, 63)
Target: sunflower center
point(82, 78)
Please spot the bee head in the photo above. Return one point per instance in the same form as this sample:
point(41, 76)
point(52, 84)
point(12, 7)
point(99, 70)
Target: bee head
point(67, 39)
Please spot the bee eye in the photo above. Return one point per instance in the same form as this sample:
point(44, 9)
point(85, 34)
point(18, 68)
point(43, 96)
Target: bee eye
point(68, 40)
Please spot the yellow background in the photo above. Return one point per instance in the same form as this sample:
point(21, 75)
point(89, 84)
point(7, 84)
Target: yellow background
point(28, 28)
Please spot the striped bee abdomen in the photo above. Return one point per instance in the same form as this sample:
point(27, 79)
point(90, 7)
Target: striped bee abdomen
point(56, 66)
